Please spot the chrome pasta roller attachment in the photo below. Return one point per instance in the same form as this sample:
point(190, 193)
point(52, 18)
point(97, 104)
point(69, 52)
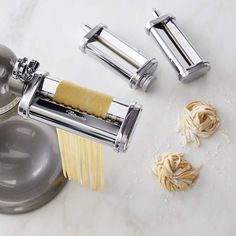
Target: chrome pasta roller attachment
point(37, 90)
point(136, 68)
point(177, 47)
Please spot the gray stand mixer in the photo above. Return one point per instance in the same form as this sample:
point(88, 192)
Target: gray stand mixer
point(30, 167)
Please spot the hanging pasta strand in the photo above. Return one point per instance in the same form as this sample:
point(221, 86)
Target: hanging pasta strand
point(101, 167)
point(94, 167)
point(76, 156)
point(62, 149)
point(82, 159)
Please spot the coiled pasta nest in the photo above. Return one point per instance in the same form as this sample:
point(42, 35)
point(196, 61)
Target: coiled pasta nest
point(199, 120)
point(174, 172)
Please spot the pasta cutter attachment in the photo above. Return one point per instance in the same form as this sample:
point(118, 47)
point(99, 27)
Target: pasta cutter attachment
point(37, 90)
point(180, 52)
point(129, 62)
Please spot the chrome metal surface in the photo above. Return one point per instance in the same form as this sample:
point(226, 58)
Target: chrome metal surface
point(30, 168)
point(73, 121)
point(127, 127)
point(111, 132)
point(124, 59)
point(177, 47)
point(37, 104)
point(32, 87)
point(117, 110)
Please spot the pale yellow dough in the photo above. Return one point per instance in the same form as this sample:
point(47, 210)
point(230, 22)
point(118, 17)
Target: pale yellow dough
point(82, 159)
point(174, 172)
point(89, 101)
point(199, 120)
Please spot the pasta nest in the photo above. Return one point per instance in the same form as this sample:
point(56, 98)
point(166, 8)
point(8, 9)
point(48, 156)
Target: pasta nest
point(174, 172)
point(200, 120)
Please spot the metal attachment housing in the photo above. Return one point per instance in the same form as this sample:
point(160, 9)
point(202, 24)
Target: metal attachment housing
point(177, 47)
point(126, 60)
point(37, 103)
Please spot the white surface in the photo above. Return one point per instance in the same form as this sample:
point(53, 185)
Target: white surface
point(133, 202)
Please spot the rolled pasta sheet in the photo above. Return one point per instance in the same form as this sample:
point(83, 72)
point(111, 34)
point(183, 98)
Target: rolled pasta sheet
point(89, 101)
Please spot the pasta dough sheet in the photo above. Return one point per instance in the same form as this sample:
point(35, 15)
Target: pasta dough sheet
point(89, 101)
point(82, 159)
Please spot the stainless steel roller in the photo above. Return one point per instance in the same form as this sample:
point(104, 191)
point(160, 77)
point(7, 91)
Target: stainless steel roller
point(180, 52)
point(136, 68)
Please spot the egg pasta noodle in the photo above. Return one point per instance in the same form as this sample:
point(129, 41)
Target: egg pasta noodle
point(174, 172)
point(199, 120)
point(82, 159)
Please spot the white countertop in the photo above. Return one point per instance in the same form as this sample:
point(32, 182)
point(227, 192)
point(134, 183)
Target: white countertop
point(133, 202)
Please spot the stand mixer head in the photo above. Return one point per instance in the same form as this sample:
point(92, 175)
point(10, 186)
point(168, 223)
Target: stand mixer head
point(30, 169)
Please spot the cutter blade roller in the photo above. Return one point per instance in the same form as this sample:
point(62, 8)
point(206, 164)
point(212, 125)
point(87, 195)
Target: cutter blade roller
point(124, 59)
point(177, 47)
point(37, 90)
